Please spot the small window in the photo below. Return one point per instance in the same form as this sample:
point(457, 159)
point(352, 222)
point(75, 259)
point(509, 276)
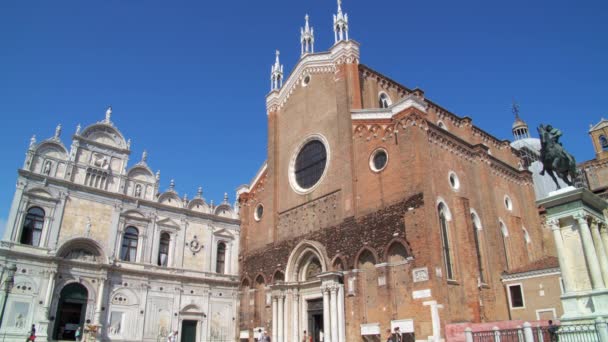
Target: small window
point(306, 80)
point(516, 296)
point(163, 250)
point(220, 264)
point(378, 160)
point(508, 203)
point(129, 245)
point(32, 227)
point(384, 100)
point(454, 181)
point(259, 212)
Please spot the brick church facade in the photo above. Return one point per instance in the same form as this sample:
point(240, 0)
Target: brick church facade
point(376, 208)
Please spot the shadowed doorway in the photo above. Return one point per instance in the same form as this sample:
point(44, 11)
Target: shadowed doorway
point(315, 319)
point(188, 331)
point(71, 311)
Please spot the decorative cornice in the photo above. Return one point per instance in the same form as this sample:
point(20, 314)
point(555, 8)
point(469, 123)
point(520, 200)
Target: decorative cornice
point(410, 101)
point(531, 274)
point(125, 199)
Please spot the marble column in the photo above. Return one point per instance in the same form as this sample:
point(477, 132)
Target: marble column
point(341, 318)
point(295, 315)
point(604, 233)
point(590, 255)
point(559, 246)
point(141, 245)
point(274, 318)
point(599, 248)
point(118, 244)
point(281, 318)
point(285, 320)
point(49, 293)
point(228, 259)
point(99, 304)
point(333, 308)
point(326, 321)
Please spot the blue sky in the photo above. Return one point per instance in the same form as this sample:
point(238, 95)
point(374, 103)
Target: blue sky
point(187, 79)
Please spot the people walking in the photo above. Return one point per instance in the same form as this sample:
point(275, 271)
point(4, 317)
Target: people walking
point(77, 334)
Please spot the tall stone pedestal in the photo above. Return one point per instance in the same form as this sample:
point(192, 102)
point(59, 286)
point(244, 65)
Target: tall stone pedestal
point(576, 217)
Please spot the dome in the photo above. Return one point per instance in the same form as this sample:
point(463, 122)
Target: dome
point(530, 143)
point(519, 123)
point(106, 134)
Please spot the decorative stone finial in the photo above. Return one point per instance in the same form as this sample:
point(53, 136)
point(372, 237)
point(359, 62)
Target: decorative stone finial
point(185, 199)
point(340, 24)
point(307, 37)
point(157, 175)
point(108, 114)
point(57, 131)
point(276, 74)
point(129, 143)
point(199, 192)
point(33, 141)
point(144, 156)
point(211, 203)
point(78, 129)
point(225, 197)
point(172, 185)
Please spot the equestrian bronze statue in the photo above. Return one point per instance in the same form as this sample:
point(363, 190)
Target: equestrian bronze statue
point(554, 157)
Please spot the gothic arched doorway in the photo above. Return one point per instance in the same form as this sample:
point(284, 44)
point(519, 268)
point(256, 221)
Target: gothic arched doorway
point(71, 311)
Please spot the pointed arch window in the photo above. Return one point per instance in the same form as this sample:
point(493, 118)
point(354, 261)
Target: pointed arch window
point(220, 263)
point(128, 251)
point(478, 247)
point(163, 250)
point(32, 227)
point(603, 142)
point(505, 241)
point(445, 241)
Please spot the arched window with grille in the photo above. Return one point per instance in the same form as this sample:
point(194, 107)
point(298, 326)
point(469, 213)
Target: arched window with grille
point(163, 250)
point(603, 142)
point(32, 227)
point(445, 240)
point(220, 263)
point(384, 100)
point(128, 251)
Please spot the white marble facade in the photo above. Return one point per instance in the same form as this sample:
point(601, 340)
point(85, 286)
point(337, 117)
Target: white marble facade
point(72, 221)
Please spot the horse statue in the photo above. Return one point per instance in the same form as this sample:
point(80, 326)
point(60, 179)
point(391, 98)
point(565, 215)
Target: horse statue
point(554, 157)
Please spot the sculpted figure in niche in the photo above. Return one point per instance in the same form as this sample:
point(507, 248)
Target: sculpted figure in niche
point(138, 190)
point(19, 321)
point(47, 168)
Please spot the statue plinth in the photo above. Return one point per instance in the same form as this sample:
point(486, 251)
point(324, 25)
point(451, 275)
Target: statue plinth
point(576, 218)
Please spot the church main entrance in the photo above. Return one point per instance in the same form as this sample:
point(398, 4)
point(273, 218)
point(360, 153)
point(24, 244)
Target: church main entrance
point(315, 319)
point(71, 311)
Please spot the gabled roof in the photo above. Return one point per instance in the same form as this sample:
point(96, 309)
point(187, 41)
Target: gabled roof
point(603, 123)
point(545, 263)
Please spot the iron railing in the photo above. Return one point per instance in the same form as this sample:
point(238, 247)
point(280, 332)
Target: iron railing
point(565, 333)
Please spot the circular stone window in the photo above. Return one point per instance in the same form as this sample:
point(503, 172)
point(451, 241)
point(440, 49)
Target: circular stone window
point(378, 160)
point(259, 212)
point(454, 181)
point(508, 203)
point(305, 80)
point(309, 164)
